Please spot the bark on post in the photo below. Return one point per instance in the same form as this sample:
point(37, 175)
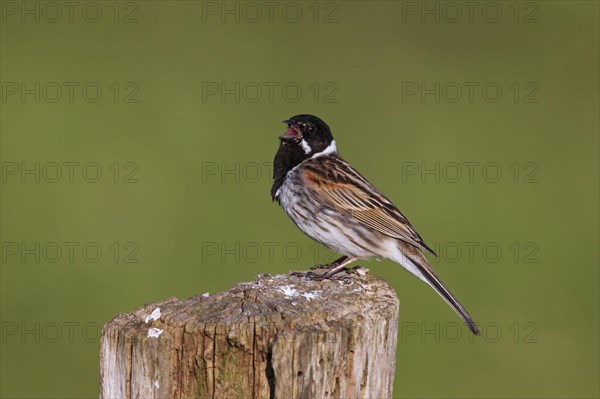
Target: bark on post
point(279, 336)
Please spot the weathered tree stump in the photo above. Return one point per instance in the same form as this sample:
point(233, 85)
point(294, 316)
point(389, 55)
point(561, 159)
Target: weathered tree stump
point(282, 336)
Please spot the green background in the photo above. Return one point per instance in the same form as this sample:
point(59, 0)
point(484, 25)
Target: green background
point(537, 300)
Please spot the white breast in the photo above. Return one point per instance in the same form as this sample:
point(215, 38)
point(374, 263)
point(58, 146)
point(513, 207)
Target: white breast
point(322, 224)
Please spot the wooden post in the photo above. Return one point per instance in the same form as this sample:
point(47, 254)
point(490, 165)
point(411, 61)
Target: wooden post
point(282, 336)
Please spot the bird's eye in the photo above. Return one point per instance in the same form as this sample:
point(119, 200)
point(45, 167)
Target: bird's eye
point(311, 129)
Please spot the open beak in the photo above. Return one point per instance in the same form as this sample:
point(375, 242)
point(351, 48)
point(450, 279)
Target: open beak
point(293, 132)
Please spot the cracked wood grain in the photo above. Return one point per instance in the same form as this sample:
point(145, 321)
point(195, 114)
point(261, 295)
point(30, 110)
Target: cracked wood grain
point(282, 336)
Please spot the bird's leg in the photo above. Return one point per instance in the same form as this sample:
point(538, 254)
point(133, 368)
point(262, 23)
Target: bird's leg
point(336, 267)
point(330, 265)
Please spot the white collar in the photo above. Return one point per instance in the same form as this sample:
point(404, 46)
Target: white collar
point(331, 148)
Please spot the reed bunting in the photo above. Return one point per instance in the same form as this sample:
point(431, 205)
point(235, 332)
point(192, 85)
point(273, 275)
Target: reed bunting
point(335, 205)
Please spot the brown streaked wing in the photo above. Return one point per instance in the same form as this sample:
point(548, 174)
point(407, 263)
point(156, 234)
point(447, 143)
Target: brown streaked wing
point(335, 184)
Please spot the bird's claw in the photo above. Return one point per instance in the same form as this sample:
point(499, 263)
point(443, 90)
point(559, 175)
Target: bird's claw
point(326, 275)
point(315, 276)
point(310, 275)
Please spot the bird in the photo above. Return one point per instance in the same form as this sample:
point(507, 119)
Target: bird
point(332, 203)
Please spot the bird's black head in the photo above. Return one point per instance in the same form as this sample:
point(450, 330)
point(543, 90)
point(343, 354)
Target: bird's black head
point(307, 137)
point(307, 133)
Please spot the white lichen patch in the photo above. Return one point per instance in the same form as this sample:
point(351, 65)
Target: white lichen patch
point(311, 295)
point(155, 315)
point(154, 332)
point(288, 291)
point(291, 292)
